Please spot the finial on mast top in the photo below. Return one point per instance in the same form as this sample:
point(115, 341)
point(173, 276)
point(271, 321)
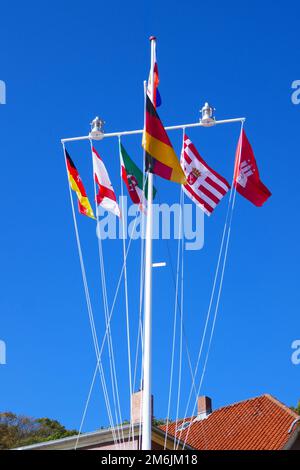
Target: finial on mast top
point(152, 38)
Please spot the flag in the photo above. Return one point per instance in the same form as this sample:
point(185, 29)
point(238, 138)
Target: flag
point(106, 196)
point(133, 178)
point(205, 187)
point(154, 78)
point(76, 185)
point(160, 155)
point(246, 175)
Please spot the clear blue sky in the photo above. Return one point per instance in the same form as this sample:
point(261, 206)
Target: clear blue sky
point(63, 63)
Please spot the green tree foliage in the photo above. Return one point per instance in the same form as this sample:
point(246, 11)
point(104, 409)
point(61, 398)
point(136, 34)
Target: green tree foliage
point(156, 421)
point(160, 422)
point(16, 430)
point(297, 408)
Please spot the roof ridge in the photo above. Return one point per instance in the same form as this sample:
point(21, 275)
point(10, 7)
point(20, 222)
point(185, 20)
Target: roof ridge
point(192, 418)
point(282, 405)
point(239, 402)
point(267, 395)
point(188, 418)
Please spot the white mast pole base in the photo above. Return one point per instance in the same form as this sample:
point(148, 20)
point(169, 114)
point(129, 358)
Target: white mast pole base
point(147, 366)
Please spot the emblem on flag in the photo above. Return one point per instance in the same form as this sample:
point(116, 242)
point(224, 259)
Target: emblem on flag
point(134, 181)
point(246, 170)
point(193, 176)
point(246, 175)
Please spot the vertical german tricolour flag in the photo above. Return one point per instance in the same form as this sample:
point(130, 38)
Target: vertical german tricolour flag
point(76, 185)
point(161, 157)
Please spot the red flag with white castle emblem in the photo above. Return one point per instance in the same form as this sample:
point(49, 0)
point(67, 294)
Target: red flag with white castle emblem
point(246, 175)
point(204, 186)
point(106, 196)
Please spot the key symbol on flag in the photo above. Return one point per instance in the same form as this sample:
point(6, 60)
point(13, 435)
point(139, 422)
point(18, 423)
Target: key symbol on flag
point(246, 175)
point(246, 170)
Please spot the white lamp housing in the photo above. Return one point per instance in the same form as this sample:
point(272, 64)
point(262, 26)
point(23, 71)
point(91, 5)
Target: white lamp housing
point(97, 131)
point(208, 118)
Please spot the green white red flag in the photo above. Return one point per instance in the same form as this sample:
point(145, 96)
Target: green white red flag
point(134, 181)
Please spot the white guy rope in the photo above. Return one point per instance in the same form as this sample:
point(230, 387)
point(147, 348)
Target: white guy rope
point(86, 290)
point(183, 328)
point(232, 198)
point(115, 388)
point(174, 322)
point(126, 296)
point(113, 306)
point(114, 380)
point(106, 398)
point(181, 316)
point(106, 332)
point(208, 315)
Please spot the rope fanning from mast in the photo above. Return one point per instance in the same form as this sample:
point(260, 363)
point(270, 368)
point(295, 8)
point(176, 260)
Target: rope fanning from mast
point(228, 221)
point(113, 307)
point(89, 304)
point(175, 319)
point(126, 297)
point(180, 312)
point(112, 365)
point(181, 317)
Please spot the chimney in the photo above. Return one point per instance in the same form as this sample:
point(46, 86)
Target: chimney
point(204, 407)
point(136, 406)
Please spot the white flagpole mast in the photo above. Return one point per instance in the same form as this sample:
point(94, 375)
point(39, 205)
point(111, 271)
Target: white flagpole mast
point(147, 362)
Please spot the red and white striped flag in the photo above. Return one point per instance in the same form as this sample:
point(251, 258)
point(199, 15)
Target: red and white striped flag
point(106, 196)
point(204, 186)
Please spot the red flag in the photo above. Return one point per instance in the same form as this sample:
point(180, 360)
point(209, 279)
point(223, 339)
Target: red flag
point(246, 174)
point(204, 185)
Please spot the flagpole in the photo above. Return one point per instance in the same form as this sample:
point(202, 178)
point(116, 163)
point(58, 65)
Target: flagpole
point(147, 361)
point(147, 355)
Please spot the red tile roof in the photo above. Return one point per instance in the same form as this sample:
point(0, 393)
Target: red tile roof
point(260, 423)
